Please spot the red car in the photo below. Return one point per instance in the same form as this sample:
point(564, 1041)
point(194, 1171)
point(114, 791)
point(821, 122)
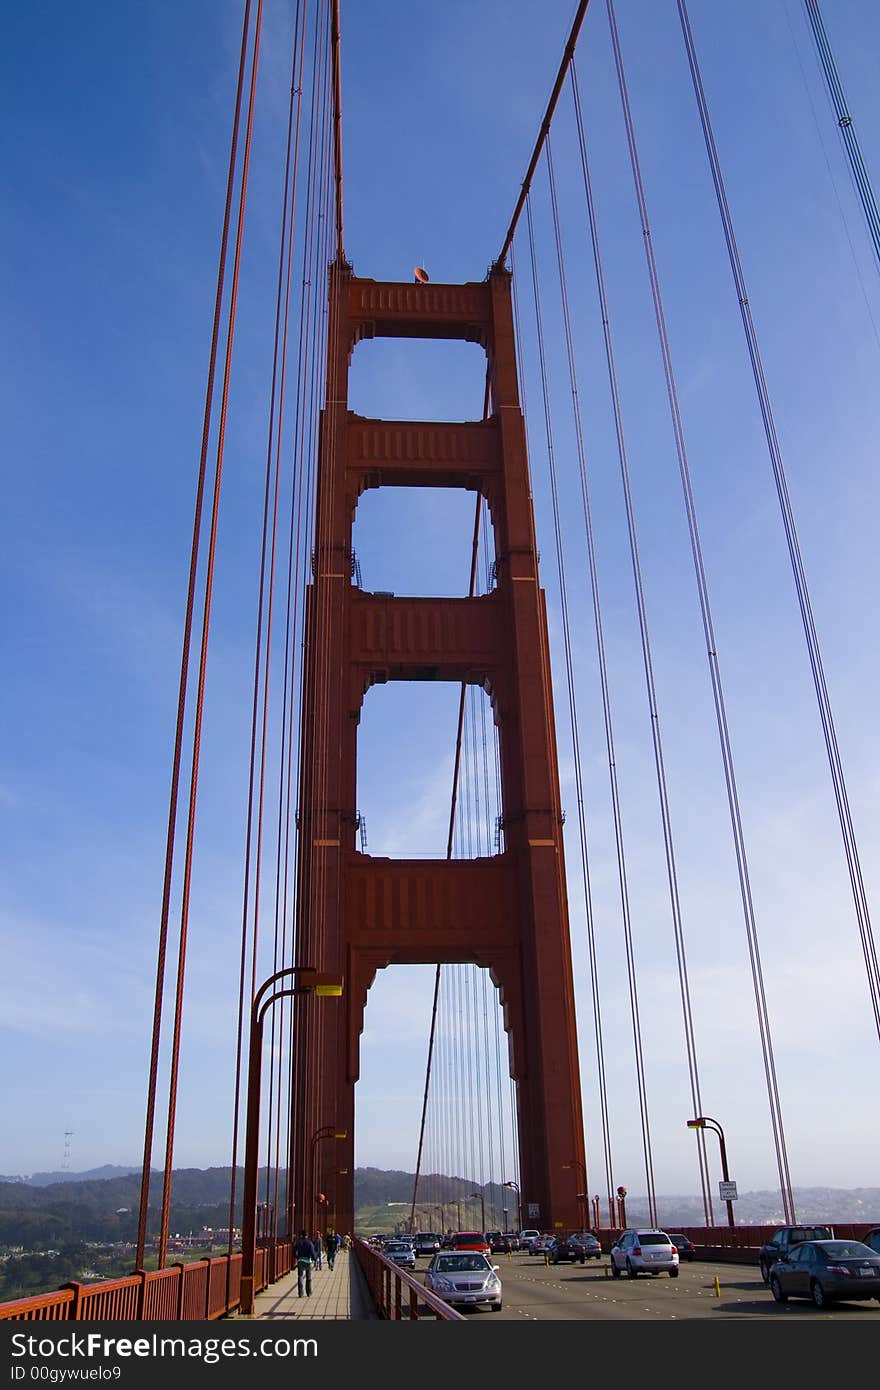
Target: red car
point(471, 1240)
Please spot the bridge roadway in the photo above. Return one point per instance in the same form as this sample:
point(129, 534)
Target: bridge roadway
point(535, 1292)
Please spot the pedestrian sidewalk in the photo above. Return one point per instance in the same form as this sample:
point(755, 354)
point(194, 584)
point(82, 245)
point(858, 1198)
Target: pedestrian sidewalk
point(338, 1293)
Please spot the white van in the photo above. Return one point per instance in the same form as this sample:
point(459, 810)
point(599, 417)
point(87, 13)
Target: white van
point(526, 1238)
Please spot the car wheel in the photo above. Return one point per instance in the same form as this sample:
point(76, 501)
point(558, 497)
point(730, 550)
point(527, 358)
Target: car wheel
point(776, 1290)
point(673, 1274)
point(765, 1272)
point(633, 1273)
point(496, 1307)
point(615, 1272)
point(820, 1297)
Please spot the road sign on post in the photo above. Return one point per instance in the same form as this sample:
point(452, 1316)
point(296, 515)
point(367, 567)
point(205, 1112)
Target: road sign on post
point(727, 1191)
point(534, 1210)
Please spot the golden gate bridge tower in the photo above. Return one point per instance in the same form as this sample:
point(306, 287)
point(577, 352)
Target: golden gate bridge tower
point(507, 912)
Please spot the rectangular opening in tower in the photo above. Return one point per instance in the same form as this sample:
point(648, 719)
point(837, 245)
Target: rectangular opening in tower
point(418, 541)
point(469, 1149)
point(417, 379)
point(406, 758)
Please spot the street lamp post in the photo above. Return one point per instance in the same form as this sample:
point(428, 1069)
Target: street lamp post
point(621, 1206)
point(515, 1187)
point(306, 980)
point(581, 1196)
point(706, 1122)
point(472, 1198)
point(505, 1213)
point(325, 1132)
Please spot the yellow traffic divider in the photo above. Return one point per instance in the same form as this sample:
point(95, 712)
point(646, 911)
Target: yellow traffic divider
point(717, 1287)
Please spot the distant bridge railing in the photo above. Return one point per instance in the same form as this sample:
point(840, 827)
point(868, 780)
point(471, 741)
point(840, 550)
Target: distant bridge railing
point(739, 1244)
point(198, 1292)
point(396, 1294)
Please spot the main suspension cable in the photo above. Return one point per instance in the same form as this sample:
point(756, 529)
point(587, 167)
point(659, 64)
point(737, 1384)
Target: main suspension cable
point(544, 130)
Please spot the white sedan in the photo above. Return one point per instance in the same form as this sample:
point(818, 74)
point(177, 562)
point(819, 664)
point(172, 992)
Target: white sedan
point(464, 1277)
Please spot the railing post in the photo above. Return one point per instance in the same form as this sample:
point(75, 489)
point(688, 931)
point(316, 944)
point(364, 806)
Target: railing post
point(413, 1305)
point(178, 1265)
point(77, 1288)
point(142, 1293)
point(397, 1298)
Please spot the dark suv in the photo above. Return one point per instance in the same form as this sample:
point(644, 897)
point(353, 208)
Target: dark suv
point(782, 1242)
point(566, 1248)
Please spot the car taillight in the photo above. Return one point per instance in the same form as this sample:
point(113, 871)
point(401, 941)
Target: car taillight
point(838, 1269)
point(675, 1249)
point(637, 1250)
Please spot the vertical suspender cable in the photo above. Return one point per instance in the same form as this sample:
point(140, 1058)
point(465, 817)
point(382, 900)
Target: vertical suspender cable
point(582, 831)
point(831, 176)
point(860, 176)
point(288, 199)
point(456, 769)
point(693, 531)
point(647, 660)
point(572, 697)
point(291, 617)
point(184, 663)
point(203, 657)
point(337, 125)
point(860, 900)
point(607, 713)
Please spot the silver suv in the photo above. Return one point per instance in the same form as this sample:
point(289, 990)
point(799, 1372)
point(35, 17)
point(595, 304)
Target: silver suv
point(648, 1252)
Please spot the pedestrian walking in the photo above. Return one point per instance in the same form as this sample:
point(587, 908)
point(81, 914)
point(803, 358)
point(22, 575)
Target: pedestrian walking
point(305, 1258)
point(318, 1244)
point(330, 1248)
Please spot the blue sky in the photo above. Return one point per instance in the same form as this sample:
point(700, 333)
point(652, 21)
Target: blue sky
point(115, 136)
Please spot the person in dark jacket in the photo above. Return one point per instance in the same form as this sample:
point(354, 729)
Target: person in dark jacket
point(305, 1258)
point(330, 1248)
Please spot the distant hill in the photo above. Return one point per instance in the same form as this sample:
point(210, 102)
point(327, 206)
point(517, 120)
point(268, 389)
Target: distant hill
point(109, 1170)
point(104, 1209)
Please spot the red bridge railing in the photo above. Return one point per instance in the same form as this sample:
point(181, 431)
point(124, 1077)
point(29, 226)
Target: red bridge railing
point(204, 1290)
point(396, 1294)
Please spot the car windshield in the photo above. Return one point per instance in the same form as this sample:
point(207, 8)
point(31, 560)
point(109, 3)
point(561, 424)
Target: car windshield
point(653, 1238)
point(461, 1264)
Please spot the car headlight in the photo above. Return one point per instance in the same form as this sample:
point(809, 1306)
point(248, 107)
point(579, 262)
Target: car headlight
point(442, 1284)
point(493, 1282)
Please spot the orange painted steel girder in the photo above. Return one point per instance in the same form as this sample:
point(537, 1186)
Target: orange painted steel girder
point(507, 912)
